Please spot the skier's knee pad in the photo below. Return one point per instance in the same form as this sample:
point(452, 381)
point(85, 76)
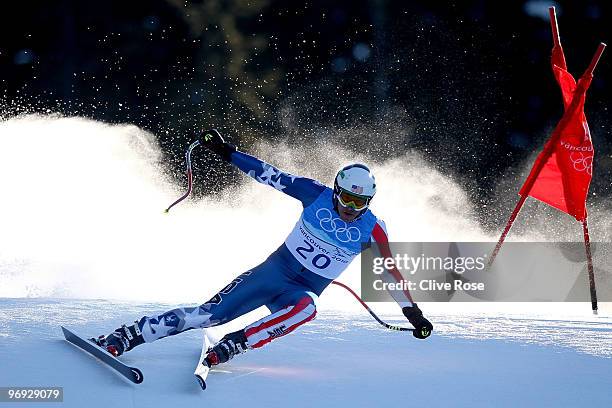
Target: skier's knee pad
point(173, 322)
point(315, 302)
point(282, 322)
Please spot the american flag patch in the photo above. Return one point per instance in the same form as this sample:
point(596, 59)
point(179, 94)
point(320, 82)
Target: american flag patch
point(356, 189)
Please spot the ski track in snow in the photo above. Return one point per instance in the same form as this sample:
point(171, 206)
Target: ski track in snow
point(339, 359)
point(589, 337)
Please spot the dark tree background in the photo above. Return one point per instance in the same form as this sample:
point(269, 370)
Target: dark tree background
point(468, 84)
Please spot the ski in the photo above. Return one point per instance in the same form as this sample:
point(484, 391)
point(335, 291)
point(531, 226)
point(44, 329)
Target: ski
point(131, 373)
point(202, 369)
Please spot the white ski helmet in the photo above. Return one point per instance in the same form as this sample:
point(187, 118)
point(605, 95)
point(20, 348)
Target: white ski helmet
point(357, 181)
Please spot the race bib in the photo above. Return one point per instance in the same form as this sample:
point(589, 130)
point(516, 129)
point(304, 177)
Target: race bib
point(325, 244)
point(316, 255)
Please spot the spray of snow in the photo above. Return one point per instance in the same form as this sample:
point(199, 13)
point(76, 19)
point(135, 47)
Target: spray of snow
point(82, 214)
point(539, 8)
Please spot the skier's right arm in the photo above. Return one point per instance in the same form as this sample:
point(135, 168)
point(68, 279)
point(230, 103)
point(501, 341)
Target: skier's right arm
point(304, 189)
point(422, 326)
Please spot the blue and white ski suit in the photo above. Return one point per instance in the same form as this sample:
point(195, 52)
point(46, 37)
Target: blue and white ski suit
point(288, 283)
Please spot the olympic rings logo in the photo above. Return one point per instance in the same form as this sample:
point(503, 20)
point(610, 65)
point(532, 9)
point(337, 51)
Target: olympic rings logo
point(582, 162)
point(343, 232)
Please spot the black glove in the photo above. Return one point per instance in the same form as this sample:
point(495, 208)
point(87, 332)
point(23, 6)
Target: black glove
point(422, 326)
point(212, 140)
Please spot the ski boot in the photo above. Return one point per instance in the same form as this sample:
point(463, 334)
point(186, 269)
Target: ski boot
point(121, 340)
point(229, 346)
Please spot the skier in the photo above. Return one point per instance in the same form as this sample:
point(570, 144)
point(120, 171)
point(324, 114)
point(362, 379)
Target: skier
point(328, 236)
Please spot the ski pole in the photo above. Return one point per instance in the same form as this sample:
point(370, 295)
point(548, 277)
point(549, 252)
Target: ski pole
point(387, 325)
point(189, 175)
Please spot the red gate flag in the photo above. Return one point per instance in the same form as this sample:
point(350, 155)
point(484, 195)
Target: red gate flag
point(562, 173)
point(563, 180)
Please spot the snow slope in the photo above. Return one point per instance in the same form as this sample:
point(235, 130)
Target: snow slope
point(339, 359)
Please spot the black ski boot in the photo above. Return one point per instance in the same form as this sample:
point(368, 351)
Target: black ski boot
point(121, 340)
point(230, 345)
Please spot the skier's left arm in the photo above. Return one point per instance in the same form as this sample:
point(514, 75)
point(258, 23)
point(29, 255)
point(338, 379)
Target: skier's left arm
point(302, 188)
point(422, 326)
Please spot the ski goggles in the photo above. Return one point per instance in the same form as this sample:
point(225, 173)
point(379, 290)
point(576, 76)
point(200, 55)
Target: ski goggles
point(353, 201)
